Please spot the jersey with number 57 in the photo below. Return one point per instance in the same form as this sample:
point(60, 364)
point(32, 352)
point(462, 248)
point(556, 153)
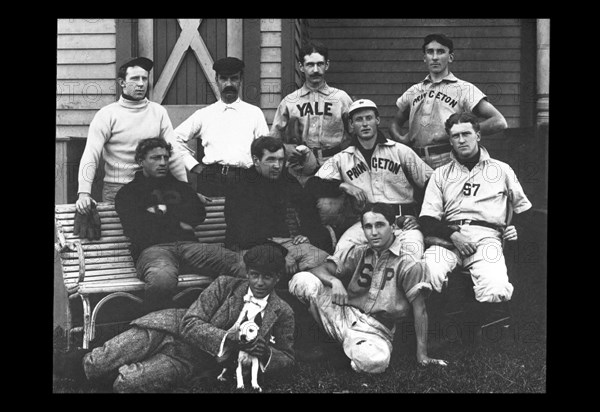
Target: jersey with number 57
point(383, 285)
point(455, 193)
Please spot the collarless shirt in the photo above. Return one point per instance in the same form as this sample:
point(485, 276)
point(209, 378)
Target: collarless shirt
point(226, 132)
point(320, 114)
point(388, 177)
point(455, 192)
point(431, 103)
point(381, 285)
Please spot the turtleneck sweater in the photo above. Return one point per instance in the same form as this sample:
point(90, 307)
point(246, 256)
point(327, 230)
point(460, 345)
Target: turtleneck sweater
point(114, 134)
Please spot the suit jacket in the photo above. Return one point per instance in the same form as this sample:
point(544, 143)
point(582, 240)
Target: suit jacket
point(206, 322)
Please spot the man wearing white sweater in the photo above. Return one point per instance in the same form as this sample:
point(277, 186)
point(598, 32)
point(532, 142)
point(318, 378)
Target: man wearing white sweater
point(115, 132)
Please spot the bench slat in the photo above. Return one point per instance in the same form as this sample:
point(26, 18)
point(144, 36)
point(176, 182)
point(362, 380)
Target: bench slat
point(114, 259)
point(107, 278)
point(101, 272)
point(89, 268)
point(105, 246)
point(70, 256)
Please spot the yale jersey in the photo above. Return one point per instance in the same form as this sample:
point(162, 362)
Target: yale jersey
point(456, 193)
point(431, 104)
point(387, 179)
point(320, 114)
point(382, 285)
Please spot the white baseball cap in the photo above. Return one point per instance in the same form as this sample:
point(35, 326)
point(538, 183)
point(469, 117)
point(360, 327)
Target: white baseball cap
point(361, 104)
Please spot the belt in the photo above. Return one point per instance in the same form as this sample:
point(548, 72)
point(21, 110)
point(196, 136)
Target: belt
point(434, 149)
point(319, 153)
point(474, 222)
point(223, 169)
point(407, 209)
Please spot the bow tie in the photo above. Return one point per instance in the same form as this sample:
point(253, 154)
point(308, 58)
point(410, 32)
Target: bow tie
point(261, 303)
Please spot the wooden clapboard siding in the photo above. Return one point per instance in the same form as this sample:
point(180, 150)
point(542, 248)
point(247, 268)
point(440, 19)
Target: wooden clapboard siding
point(190, 85)
point(293, 36)
point(270, 66)
point(379, 59)
point(85, 75)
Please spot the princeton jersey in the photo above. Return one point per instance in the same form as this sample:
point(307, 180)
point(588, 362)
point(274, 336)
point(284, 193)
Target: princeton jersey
point(384, 285)
point(431, 104)
point(388, 177)
point(455, 193)
point(320, 115)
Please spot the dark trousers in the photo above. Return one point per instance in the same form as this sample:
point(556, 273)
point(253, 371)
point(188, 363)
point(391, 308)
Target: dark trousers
point(215, 178)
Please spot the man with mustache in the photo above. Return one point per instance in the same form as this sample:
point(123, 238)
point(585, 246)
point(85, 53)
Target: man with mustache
point(226, 129)
point(159, 213)
point(116, 130)
point(426, 105)
point(314, 116)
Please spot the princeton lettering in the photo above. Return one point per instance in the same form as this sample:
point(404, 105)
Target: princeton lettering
point(383, 164)
point(439, 95)
point(357, 170)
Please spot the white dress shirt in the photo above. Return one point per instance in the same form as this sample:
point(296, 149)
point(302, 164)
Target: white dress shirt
point(226, 131)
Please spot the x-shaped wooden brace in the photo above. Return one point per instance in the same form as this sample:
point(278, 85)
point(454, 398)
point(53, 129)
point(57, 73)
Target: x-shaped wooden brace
point(189, 37)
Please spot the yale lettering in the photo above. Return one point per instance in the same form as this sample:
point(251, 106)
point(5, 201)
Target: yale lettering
point(307, 108)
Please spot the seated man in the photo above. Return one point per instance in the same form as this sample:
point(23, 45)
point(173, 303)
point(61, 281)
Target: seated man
point(375, 169)
point(159, 213)
point(467, 203)
point(256, 209)
point(357, 295)
point(166, 348)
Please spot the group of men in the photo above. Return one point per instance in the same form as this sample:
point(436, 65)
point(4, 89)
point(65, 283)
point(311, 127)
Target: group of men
point(326, 156)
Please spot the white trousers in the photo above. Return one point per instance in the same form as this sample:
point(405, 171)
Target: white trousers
point(365, 341)
point(486, 266)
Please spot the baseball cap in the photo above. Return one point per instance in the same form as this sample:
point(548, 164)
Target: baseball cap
point(362, 104)
point(142, 62)
point(268, 257)
point(367, 352)
point(228, 65)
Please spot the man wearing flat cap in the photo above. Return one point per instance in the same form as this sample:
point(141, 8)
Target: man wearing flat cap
point(115, 132)
point(166, 348)
point(226, 129)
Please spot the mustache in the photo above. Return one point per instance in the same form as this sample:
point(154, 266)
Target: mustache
point(229, 89)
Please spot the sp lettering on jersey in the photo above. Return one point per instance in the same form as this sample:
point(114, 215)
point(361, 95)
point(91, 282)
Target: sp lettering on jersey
point(365, 277)
point(308, 108)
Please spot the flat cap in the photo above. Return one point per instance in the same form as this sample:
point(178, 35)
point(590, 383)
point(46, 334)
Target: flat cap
point(268, 257)
point(142, 62)
point(228, 65)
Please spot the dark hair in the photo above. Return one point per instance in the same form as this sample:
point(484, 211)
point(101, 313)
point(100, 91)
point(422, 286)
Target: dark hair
point(465, 117)
point(440, 38)
point(383, 208)
point(313, 47)
point(270, 143)
point(268, 257)
point(144, 146)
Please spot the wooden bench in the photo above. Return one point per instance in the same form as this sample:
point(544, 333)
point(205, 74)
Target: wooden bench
point(105, 266)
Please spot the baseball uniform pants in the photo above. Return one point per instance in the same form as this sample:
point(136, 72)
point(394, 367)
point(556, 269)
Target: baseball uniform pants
point(486, 266)
point(365, 341)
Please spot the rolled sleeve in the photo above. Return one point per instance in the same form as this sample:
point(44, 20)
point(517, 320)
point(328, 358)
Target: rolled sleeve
point(414, 278)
